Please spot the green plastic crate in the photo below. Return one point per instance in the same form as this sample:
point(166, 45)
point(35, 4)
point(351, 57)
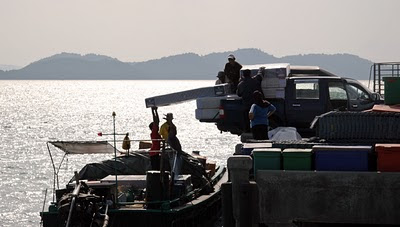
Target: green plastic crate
point(297, 159)
point(392, 87)
point(267, 159)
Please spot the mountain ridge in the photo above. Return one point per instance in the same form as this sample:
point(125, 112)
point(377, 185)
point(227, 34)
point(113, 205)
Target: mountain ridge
point(182, 66)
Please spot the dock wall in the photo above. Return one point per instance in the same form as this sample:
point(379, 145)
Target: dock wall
point(328, 197)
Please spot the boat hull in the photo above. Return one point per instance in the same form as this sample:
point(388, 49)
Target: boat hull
point(203, 211)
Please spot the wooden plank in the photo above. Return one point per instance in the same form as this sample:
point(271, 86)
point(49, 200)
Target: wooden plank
point(182, 96)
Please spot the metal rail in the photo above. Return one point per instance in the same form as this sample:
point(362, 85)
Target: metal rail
point(380, 70)
point(75, 194)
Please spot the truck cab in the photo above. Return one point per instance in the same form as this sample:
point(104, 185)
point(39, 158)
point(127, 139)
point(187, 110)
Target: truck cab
point(300, 93)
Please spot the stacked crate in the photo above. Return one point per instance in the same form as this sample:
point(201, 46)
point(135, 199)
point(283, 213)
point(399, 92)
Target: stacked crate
point(208, 108)
point(297, 159)
point(341, 158)
point(274, 82)
point(388, 157)
point(267, 159)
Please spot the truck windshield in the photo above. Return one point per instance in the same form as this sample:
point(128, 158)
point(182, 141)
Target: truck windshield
point(356, 92)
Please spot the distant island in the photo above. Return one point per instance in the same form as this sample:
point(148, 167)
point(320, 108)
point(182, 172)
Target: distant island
point(188, 66)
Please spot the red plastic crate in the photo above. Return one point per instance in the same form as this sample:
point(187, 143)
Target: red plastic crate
point(388, 157)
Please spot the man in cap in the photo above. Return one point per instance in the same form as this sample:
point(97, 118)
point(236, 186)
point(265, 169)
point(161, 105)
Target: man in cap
point(221, 78)
point(232, 71)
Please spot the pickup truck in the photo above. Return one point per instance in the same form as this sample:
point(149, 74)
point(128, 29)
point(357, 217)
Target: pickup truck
point(300, 94)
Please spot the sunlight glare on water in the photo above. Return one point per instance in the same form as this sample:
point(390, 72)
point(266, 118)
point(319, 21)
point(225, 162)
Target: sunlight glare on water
point(34, 112)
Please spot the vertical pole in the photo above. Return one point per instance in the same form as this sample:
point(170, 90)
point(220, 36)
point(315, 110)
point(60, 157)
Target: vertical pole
point(115, 163)
point(379, 76)
point(45, 197)
point(164, 196)
point(227, 209)
point(54, 174)
point(392, 70)
point(375, 77)
point(239, 167)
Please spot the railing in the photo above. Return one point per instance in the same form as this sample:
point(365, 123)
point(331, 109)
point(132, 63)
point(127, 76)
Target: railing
point(380, 70)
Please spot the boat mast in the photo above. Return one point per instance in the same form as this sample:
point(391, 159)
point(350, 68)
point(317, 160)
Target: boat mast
point(115, 162)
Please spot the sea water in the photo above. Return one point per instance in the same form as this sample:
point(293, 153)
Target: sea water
point(34, 112)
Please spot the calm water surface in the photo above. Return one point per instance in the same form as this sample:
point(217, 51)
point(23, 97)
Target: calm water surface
point(34, 112)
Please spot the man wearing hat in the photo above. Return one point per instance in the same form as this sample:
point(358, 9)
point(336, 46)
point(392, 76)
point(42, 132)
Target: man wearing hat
point(232, 71)
point(221, 78)
point(164, 129)
point(168, 132)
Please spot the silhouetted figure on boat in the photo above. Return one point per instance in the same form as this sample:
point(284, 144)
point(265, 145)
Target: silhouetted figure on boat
point(168, 132)
point(155, 140)
point(126, 143)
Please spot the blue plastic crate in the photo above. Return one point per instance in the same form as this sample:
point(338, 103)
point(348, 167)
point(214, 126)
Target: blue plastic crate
point(341, 158)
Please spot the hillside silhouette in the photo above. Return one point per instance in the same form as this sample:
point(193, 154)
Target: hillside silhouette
point(188, 66)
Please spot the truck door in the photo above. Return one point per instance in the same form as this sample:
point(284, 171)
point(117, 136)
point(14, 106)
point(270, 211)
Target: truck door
point(359, 98)
point(304, 101)
point(338, 99)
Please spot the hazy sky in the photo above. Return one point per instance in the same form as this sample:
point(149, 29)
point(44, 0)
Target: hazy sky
point(132, 30)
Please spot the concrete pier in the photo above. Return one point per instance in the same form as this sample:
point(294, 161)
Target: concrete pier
point(282, 198)
point(244, 193)
point(328, 197)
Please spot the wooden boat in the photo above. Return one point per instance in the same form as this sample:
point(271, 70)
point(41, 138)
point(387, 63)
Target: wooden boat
point(134, 196)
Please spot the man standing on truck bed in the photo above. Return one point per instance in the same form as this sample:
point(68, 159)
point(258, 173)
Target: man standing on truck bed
point(232, 71)
point(245, 89)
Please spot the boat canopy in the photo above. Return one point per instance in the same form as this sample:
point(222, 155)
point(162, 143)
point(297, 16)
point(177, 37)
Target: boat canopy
point(137, 164)
point(134, 164)
point(84, 147)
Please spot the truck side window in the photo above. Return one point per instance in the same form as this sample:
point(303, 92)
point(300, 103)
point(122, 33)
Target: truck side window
point(356, 92)
point(337, 96)
point(307, 89)
point(337, 91)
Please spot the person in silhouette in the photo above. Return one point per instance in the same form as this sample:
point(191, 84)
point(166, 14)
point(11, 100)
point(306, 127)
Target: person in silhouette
point(164, 129)
point(258, 115)
point(221, 78)
point(155, 140)
point(245, 90)
point(168, 131)
point(232, 71)
point(126, 143)
point(260, 75)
